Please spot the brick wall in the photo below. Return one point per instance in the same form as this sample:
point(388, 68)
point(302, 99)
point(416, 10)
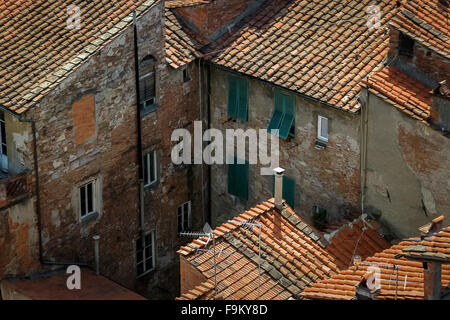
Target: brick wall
point(189, 276)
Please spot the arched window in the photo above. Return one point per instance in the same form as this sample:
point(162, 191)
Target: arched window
point(147, 77)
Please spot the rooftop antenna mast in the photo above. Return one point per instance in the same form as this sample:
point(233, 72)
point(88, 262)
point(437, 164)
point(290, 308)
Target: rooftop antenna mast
point(249, 225)
point(209, 235)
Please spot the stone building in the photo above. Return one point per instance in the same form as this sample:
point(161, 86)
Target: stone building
point(73, 137)
point(406, 154)
point(298, 68)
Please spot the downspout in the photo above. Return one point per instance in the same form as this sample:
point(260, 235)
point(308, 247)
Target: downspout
point(208, 92)
point(42, 259)
point(138, 125)
point(364, 131)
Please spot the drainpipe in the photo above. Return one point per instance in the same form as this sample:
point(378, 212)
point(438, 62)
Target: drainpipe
point(96, 254)
point(42, 259)
point(208, 83)
point(138, 124)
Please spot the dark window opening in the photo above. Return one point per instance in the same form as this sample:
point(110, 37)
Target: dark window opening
point(145, 254)
point(186, 77)
point(147, 83)
point(87, 199)
point(406, 46)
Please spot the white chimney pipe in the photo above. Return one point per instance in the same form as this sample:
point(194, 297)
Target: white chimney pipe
point(96, 253)
point(278, 187)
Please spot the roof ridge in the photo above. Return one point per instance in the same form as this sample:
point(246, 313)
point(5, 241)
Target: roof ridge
point(228, 226)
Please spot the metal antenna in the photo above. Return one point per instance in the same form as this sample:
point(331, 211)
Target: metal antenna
point(252, 224)
point(209, 235)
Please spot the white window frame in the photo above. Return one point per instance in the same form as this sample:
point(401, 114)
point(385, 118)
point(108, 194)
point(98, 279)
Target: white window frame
point(94, 198)
point(144, 246)
point(183, 215)
point(147, 158)
point(319, 129)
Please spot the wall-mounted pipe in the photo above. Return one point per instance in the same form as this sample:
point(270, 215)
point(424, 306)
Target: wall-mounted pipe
point(96, 254)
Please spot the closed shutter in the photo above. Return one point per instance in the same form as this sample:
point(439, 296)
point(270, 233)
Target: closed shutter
point(238, 179)
point(243, 100)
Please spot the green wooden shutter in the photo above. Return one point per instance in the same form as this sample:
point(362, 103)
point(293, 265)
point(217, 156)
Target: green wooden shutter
point(232, 179)
point(289, 116)
point(277, 114)
point(242, 181)
point(242, 113)
point(233, 95)
point(289, 191)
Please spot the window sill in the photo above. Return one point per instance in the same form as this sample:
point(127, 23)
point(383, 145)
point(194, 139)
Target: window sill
point(146, 273)
point(148, 110)
point(89, 217)
point(320, 144)
point(151, 185)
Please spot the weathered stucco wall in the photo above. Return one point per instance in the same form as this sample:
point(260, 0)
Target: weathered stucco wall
point(19, 253)
point(19, 139)
point(328, 178)
point(408, 177)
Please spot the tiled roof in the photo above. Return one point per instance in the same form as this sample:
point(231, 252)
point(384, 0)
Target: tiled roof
point(426, 21)
point(204, 291)
point(38, 50)
point(321, 49)
point(407, 285)
point(293, 255)
point(185, 3)
point(358, 238)
point(52, 286)
point(404, 92)
point(180, 47)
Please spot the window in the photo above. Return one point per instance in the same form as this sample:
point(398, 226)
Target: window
point(319, 217)
point(238, 179)
point(87, 199)
point(145, 253)
point(186, 77)
point(184, 217)
point(237, 98)
point(3, 148)
point(147, 84)
point(283, 117)
point(406, 46)
point(288, 190)
point(150, 168)
point(322, 129)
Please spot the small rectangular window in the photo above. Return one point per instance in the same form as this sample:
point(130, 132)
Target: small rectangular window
point(145, 253)
point(322, 129)
point(237, 98)
point(150, 168)
point(87, 199)
point(186, 77)
point(184, 217)
point(283, 117)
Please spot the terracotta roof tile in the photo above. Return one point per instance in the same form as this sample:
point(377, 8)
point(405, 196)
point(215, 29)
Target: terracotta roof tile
point(404, 92)
point(426, 21)
point(38, 51)
point(322, 50)
point(409, 285)
point(291, 259)
point(181, 48)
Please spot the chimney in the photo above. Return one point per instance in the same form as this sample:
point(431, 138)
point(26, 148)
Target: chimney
point(434, 226)
point(440, 106)
point(96, 254)
point(279, 188)
point(432, 280)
